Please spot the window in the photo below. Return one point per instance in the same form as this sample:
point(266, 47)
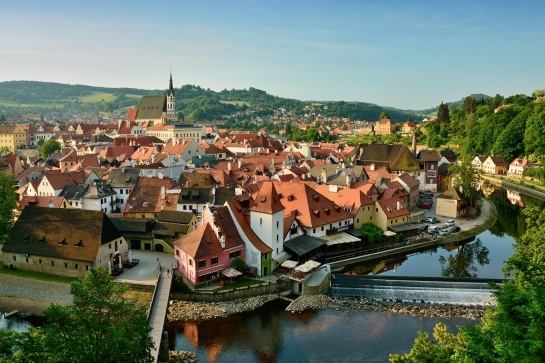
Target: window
point(110, 246)
point(86, 267)
point(314, 230)
point(52, 263)
point(26, 260)
point(190, 262)
point(234, 254)
point(177, 253)
point(260, 221)
point(202, 263)
point(121, 191)
point(277, 238)
point(65, 265)
point(277, 224)
point(76, 266)
point(214, 260)
point(40, 261)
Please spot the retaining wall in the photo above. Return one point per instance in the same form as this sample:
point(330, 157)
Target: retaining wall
point(234, 294)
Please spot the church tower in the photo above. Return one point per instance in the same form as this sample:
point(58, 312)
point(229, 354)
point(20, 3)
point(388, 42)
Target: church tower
point(171, 106)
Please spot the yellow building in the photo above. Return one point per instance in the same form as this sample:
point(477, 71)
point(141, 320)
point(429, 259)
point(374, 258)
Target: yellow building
point(12, 136)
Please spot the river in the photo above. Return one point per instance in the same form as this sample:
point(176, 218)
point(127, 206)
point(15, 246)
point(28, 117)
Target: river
point(272, 335)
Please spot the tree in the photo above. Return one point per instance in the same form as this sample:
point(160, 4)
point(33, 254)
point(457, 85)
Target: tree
point(383, 115)
point(101, 326)
point(49, 147)
point(371, 232)
point(466, 178)
point(8, 201)
point(443, 114)
point(238, 264)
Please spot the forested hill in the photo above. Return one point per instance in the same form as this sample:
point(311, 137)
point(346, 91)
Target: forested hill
point(194, 101)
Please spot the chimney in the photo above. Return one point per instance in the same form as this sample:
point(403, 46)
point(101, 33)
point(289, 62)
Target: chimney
point(51, 204)
point(303, 176)
point(163, 192)
point(414, 143)
point(255, 178)
point(161, 175)
point(240, 163)
point(183, 141)
point(348, 182)
point(324, 176)
point(222, 241)
point(229, 166)
point(398, 206)
point(372, 167)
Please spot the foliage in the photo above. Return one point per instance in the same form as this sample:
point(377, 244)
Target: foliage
point(49, 147)
point(467, 178)
point(101, 326)
point(10, 342)
point(178, 284)
point(383, 115)
point(443, 114)
point(238, 264)
point(8, 200)
point(537, 173)
point(371, 232)
point(462, 264)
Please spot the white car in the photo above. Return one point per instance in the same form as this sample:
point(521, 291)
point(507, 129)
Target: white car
point(449, 223)
point(443, 232)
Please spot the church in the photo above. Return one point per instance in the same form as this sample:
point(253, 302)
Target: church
point(154, 110)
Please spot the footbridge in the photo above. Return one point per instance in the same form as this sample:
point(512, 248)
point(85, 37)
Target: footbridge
point(415, 289)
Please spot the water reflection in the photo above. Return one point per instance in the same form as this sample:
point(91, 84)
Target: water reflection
point(463, 263)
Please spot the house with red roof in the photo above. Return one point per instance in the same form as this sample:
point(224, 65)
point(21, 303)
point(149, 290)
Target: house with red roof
point(204, 253)
point(391, 212)
point(517, 166)
point(495, 165)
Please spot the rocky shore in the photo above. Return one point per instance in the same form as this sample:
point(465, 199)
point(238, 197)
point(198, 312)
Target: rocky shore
point(186, 310)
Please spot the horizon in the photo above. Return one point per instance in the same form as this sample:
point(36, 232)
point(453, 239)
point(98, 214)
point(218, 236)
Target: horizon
point(410, 56)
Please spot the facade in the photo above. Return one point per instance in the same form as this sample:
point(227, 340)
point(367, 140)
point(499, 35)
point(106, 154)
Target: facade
point(517, 166)
point(495, 165)
point(390, 212)
point(13, 136)
point(451, 204)
point(385, 127)
point(429, 163)
point(51, 240)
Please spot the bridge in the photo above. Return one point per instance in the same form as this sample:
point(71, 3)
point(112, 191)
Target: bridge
point(415, 289)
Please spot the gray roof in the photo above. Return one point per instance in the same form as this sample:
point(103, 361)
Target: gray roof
point(70, 192)
point(223, 195)
point(123, 178)
point(304, 244)
point(195, 196)
point(151, 107)
point(173, 216)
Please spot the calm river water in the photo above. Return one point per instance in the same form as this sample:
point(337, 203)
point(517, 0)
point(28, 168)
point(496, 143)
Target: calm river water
point(272, 335)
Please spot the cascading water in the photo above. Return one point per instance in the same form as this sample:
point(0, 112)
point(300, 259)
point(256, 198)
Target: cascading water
point(434, 290)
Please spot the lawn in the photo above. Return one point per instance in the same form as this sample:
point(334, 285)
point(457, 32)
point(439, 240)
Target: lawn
point(97, 97)
point(236, 103)
point(36, 275)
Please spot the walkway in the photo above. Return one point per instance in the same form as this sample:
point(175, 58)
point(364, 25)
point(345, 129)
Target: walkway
point(158, 310)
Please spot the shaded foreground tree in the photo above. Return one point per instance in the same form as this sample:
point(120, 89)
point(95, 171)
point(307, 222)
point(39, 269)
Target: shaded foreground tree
point(49, 147)
point(102, 325)
point(466, 178)
point(8, 201)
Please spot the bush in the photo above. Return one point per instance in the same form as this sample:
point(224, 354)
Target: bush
point(178, 284)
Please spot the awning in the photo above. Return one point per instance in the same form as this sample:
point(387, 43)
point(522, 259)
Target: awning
point(389, 234)
point(289, 264)
point(231, 272)
point(282, 257)
point(307, 266)
point(338, 238)
point(304, 244)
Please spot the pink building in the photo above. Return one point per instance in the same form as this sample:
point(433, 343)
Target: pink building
point(202, 254)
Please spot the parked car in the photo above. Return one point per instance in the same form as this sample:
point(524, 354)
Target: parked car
point(424, 228)
point(449, 223)
point(431, 220)
point(443, 232)
point(454, 229)
point(433, 230)
point(425, 205)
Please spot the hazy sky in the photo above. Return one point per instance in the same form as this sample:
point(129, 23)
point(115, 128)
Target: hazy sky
point(405, 54)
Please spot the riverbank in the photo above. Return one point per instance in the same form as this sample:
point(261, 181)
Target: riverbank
point(192, 311)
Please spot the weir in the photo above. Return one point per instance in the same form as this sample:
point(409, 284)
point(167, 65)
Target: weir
point(415, 289)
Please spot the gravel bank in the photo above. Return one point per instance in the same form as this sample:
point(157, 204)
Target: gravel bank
point(31, 296)
point(185, 310)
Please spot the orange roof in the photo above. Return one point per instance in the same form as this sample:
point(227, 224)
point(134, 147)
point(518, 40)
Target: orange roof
point(390, 207)
point(200, 242)
point(267, 200)
point(346, 198)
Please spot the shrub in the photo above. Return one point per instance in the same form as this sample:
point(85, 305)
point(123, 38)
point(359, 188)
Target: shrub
point(178, 284)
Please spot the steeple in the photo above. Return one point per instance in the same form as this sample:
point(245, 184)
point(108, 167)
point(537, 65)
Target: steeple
point(171, 108)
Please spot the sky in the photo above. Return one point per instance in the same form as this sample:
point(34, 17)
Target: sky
point(403, 54)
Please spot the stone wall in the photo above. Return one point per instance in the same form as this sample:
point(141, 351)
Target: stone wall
point(238, 293)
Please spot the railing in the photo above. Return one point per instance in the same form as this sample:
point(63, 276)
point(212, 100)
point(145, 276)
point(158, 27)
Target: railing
point(371, 251)
point(148, 311)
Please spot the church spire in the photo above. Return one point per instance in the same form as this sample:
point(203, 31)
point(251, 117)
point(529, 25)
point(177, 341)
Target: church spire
point(171, 106)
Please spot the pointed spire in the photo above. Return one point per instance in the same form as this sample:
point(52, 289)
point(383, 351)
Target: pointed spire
point(170, 86)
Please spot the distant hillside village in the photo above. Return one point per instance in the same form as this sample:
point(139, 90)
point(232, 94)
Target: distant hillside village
point(208, 196)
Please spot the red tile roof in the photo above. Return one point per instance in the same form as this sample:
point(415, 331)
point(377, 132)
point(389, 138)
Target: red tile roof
point(200, 242)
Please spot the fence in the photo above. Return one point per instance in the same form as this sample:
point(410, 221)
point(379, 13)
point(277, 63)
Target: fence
point(237, 293)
